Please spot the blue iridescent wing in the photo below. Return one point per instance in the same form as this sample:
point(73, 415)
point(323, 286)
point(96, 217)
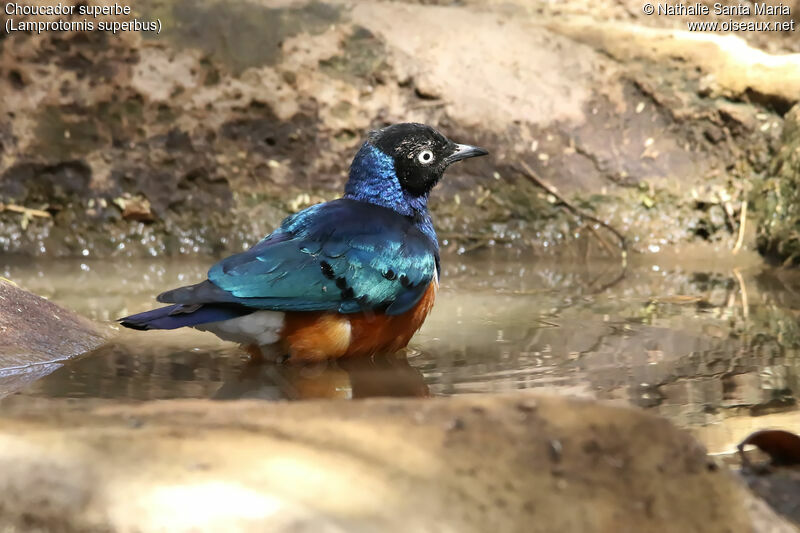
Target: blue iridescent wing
point(343, 256)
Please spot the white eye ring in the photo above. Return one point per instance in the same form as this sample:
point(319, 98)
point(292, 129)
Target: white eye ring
point(425, 157)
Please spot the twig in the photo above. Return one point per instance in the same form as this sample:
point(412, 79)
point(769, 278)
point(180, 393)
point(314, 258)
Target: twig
point(474, 246)
point(25, 210)
point(600, 238)
point(743, 290)
point(726, 206)
point(428, 104)
point(547, 323)
point(468, 237)
point(531, 175)
point(742, 221)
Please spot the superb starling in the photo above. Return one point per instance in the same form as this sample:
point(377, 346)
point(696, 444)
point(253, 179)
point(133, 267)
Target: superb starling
point(349, 277)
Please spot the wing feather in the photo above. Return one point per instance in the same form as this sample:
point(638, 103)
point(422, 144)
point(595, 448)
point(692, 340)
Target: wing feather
point(343, 256)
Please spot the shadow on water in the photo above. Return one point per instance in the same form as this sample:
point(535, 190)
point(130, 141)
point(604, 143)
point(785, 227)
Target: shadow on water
point(698, 344)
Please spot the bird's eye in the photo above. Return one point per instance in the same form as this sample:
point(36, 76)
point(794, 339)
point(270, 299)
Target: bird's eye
point(425, 157)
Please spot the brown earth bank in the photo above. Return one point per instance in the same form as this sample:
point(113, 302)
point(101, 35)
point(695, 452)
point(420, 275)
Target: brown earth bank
point(481, 463)
point(201, 138)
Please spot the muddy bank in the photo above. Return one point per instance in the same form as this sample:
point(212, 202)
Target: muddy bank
point(202, 138)
point(777, 200)
point(516, 463)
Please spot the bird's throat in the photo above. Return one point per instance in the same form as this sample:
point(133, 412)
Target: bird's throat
point(373, 179)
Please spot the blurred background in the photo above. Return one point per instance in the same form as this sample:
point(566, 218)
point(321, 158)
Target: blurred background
point(200, 138)
point(129, 162)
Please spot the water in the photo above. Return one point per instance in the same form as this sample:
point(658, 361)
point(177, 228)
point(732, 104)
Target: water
point(700, 344)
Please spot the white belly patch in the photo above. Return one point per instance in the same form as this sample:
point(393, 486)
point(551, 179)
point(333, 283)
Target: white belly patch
point(261, 328)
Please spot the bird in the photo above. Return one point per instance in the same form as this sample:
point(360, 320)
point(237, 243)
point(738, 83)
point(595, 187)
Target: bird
point(351, 277)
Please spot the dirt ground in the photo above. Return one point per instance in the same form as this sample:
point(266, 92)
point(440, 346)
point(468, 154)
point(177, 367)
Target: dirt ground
point(202, 138)
point(480, 463)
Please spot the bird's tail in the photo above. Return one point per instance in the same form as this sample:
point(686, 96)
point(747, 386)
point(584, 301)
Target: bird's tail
point(180, 315)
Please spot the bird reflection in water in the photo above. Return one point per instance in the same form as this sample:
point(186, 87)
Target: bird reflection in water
point(131, 371)
point(384, 375)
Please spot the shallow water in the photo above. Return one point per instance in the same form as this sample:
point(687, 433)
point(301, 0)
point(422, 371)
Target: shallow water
point(699, 344)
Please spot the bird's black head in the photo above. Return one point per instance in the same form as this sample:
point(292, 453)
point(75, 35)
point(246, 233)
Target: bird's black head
point(399, 165)
point(420, 154)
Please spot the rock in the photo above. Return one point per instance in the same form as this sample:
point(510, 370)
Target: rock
point(477, 463)
point(777, 486)
point(135, 208)
point(36, 334)
point(731, 66)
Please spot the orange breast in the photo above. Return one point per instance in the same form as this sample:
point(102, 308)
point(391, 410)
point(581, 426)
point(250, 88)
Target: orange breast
point(321, 335)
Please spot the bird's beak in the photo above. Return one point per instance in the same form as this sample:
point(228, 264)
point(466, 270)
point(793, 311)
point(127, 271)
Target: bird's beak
point(463, 151)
